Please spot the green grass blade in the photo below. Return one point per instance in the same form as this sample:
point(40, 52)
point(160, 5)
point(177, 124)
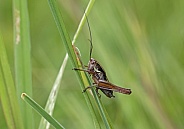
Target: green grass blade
point(22, 49)
point(41, 111)
point(62, 30)
point(56, 85)
point(8, 93)
point(82, 22)
point(53, 96)
point(67, 42)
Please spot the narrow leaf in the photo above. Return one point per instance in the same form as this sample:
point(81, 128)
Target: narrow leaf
point(22, 49)
point(8, 93)
point(41, 111)
point(67, 42)
point(55, 89)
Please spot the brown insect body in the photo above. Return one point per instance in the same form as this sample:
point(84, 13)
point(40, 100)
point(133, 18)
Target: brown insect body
point(100, 79)
point(99, 76)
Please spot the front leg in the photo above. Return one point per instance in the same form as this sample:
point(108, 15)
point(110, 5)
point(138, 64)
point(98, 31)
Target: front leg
point(85, 70)
point(88, 88)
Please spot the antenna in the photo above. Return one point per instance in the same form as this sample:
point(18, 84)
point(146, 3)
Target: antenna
point(90, 40)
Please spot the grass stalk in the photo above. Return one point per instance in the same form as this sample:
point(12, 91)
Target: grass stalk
point(8, 96)
point(53, 94)
point(49, 108)
point(22, 49)
point(68, 45)
point(41, 111)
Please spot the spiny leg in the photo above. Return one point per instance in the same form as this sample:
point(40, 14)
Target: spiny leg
point(85, 70)
point(88, 88)
point(92, 87)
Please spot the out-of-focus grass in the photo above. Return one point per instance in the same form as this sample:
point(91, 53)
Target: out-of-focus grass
point(139, 44)
point(22, 58)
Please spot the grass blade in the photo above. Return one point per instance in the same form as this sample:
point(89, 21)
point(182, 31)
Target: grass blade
point(51, 100)
point(60, 25)
point(62, 30)
point(41, 111)
point(8, 93)
point(67, 42)
point(53, 96)
point(22, 49)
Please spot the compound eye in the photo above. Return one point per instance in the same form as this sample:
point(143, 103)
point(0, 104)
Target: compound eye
point(92, 61)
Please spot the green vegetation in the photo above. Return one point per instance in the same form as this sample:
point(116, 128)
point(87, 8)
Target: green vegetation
point(139, 44)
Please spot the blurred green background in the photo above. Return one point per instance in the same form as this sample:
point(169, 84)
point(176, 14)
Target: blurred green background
point(140, 44)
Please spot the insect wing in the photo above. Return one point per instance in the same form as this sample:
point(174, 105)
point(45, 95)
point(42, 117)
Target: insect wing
point(99, 68)
point(108, 86)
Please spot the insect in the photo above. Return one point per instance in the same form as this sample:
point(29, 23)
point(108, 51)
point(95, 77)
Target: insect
point(99, 76)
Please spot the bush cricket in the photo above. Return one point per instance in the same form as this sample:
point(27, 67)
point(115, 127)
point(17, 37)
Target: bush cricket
point(99, 75)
